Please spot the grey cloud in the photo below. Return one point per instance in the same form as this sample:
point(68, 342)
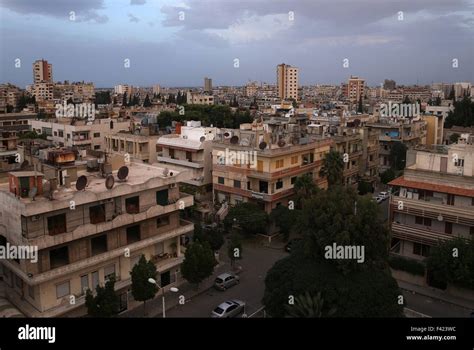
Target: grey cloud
point(132, 18)
point(137, 2)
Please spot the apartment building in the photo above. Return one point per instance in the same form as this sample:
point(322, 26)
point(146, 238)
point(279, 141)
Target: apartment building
point(156, 89)
point(260, 162)
point(190, 148)
point(355, 89)
point(78, 92)
point(196, 98)
point(287, 82)
point(139, 148)
point(208, 85)
point(43, 91)
point(434, 129)
point(251, 89)
point(410, 132)
point(81, 134)
point(42, 72)
point(434, 199)
point(348, 142)
point(102, 235)
point(123, 89)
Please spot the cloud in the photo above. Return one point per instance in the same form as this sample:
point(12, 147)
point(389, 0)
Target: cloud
point(132, 18)
point(85, 10)
point(137, 2)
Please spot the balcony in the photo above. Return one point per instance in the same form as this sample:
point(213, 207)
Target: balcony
point(423, 236)
point(432, 210)
point(196, 164)
point(185, 227)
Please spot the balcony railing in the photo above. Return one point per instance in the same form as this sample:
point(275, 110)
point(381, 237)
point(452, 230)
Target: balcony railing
point(417, 235)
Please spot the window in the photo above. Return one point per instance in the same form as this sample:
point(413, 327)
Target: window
point(99, 245)
point(97, 147)
point(95, 279)
point(307, 158)
point(459, 162)
point(220, 180)
point(471, 231)
point(132, 205)
point(162, 197)
point(55, 133)
point(279, 163)
point(237, 184)
point(84, 283)
point(418, 220)
point(58, 257)
point(294, 159)
point(279, 184)
point(60, 133)
point(427, 222)
point(109, 272)
point(421, 249)
point(62, 290)
point(97, 134)
point(162, 221)
point(57, 224)
point(450, 199)
point(448, 228)
point(133, 234)
point(97, 214)
point(293, 180)
point(248, 186)
point(263, 187)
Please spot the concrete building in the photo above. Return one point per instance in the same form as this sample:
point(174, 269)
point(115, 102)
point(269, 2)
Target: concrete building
point(251, 89)
point(103, 235)
point(208, 85)
point(42, 72)
point(123, 88)
point(355, 89)
point(78, 92)
point(156, 89)
point(79, 134)
point(461, 90)
point(260, 162)
point(140, 148)
point(287, 82)
point(190, 148)
point(433, 200)
point(434, 129)
point(197, 98)
point(43, 91)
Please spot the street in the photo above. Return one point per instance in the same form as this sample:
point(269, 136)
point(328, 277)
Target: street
point(257, 260)
point(433, 307)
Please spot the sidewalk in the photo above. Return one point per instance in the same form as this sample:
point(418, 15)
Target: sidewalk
point(154, 307)
point(436, 294)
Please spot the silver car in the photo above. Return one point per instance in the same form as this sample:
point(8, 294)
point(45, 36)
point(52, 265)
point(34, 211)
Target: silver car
point(229, 308)
point(226, 280)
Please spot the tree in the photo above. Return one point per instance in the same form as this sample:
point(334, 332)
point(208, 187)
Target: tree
point(333, 168)
point(284, 218)
point(454, 138)
point(198, 263)
point(364, 187)
point(406, 100)
point(463, 114)
point(360, 109)
point(102, 97)
point(305, 186)
point(438, 101)
point(387, 176)
point(142, 289)
point(452, 95)
point(213, 236)
point(147, 102)
point(398, 154)
point(308, 306)
point(124, 100)
point(105, 303)
point(234, 248)
point(248, 216)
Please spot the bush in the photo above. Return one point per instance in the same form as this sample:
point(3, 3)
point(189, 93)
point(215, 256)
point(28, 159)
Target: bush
point(411, 266)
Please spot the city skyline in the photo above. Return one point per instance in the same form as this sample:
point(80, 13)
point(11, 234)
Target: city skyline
point(179, 44)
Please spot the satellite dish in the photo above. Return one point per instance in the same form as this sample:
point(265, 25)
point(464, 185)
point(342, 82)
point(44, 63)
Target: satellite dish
point(234, 140)
point(171, 173)
point(109, 182)
point(244, 142)
point(227, 134)
point(281, 143)
point(81, 183)
point(165, 172)
point(122, 173)
point(32, 193)
point(202, 139)
point(262, 145)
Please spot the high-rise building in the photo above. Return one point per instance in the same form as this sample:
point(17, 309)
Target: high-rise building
point(156, 89)
point(207, 84)
point(122, 89)
point(42, 71)
point(389, 84)
point(355, 89)
point(287, 81)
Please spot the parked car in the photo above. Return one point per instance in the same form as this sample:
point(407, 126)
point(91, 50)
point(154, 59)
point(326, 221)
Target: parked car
point(292, 243)
point(383, 195)
point(230, 308)
point(378, 199)
point(226, 280)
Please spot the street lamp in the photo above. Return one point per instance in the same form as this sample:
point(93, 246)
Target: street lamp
point(173, 289)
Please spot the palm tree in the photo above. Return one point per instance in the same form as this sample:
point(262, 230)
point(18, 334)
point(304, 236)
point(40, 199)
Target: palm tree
point(333, 168)
point(307, 306)
point(304, 186)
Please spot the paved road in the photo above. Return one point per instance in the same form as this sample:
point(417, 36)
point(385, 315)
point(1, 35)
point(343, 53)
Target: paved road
point(433, 307)
point(257, 260)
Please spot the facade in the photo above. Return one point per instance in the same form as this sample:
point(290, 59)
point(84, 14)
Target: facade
point(251, 89)
point(434, 129)
point(355, 89)
point(434, 199)
point(139, 147)
point(287, 82)
point(196, 98)
point(78, 92)
point(43, 91)
point(103, 236)
point(123, 89)
point(156, 89)
point(42, 72)
point(208, 85)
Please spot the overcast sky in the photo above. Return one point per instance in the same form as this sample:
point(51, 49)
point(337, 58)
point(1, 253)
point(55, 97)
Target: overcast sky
point(178, 43)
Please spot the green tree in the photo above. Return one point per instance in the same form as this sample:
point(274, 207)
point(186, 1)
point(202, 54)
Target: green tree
point(360, 108)
point(454, 138)
point(304, 185)
point(234, 248)
point(333, 168)
point(213, 236)
point(142, 289)
point(124, 100)
point(105, 303)
point(463, 114)
point(452, 95)
point(398, 155)
point(284, 218)
point(248, 216)
point(438, 101)
point(364, 187)
point(406, 99)
point(198, 263)
point(147, 102)
point(388, 175)
point(308, 306)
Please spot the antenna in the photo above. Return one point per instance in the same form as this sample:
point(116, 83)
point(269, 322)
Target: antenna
point(109, 182)
point(122, 173)
point(81, 183)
